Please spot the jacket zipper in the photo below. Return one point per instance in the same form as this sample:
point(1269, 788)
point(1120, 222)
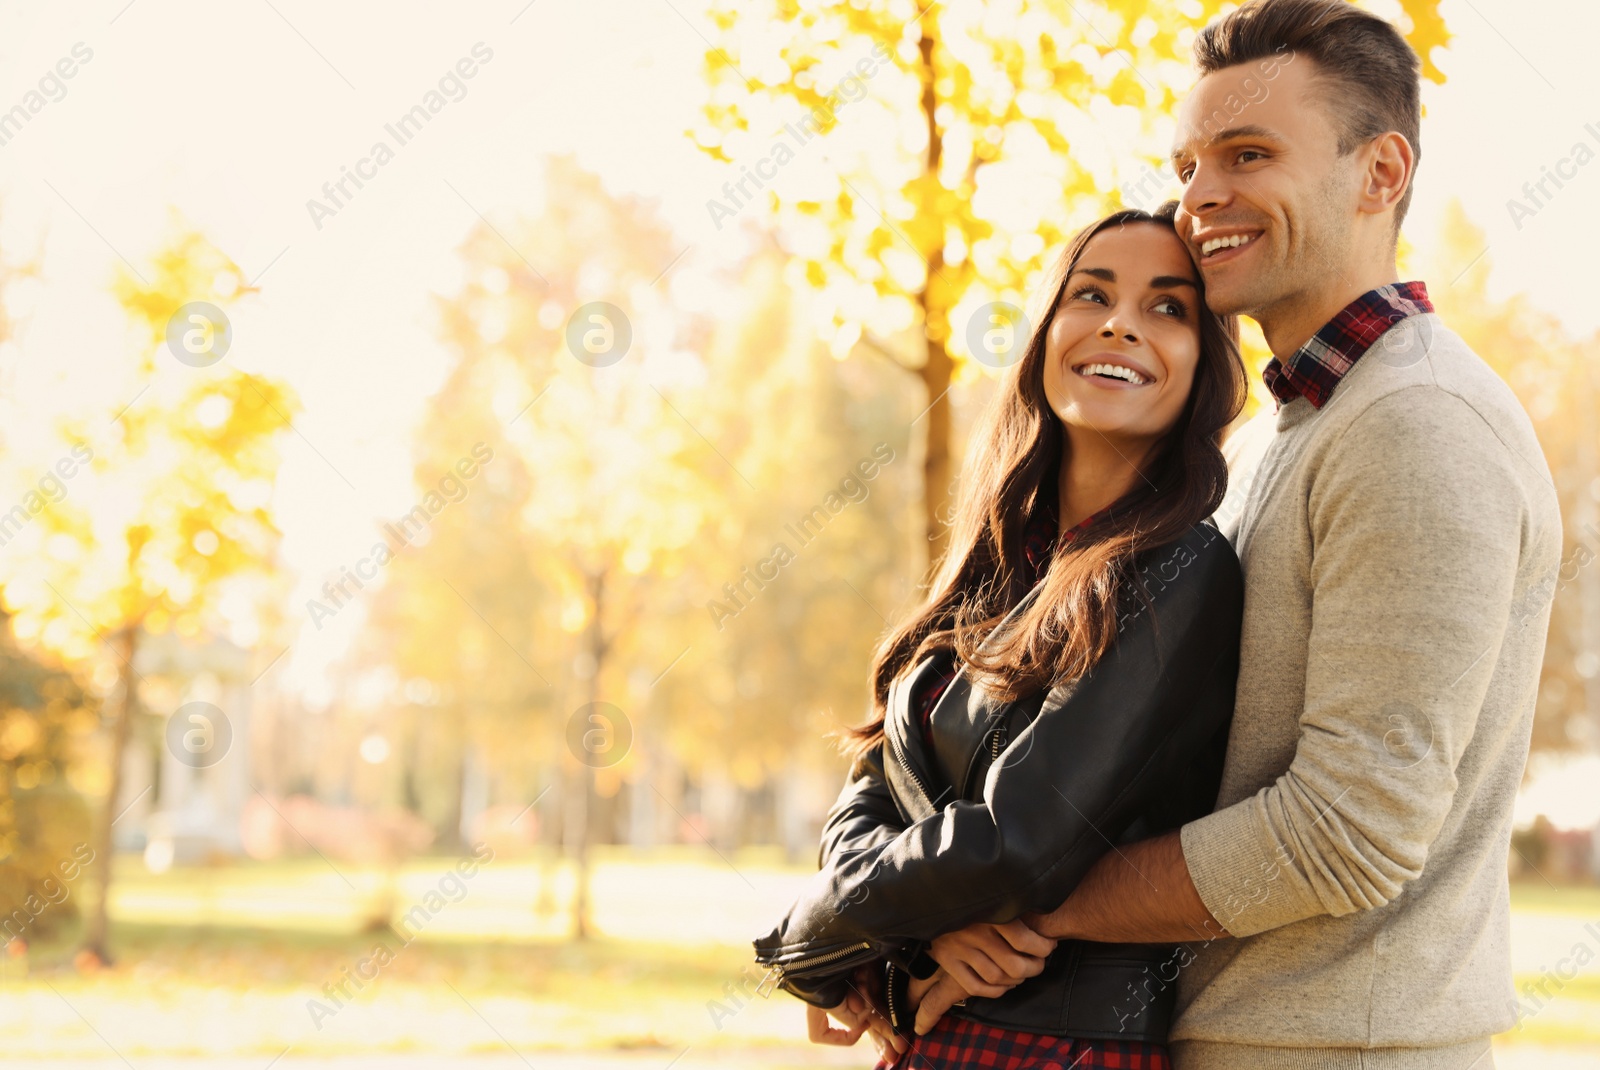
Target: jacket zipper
point(888, 989)
point(997, 743)
point(905, 763)
point(775, 974)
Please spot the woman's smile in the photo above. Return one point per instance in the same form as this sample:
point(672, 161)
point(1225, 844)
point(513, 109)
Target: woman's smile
point(1112, 371)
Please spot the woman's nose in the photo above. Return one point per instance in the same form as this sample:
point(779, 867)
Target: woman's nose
point(1114, 329)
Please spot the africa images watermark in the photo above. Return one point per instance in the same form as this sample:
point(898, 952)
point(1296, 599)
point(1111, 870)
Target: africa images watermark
point(50, 488)
point(1538, 192)
point(451, 488)
point(853, 490)
point(1143, 194)
point(1566, 969)
point(452, 89)
point(450, 888)
point(848, 90)
point(55, 893)
point(1183, 955)
point(51, 89)
point(738, 995)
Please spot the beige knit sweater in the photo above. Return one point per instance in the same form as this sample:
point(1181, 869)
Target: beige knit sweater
point(1400, 549)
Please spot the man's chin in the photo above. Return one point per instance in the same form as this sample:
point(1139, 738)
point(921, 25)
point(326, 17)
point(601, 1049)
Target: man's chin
point(1231, 297)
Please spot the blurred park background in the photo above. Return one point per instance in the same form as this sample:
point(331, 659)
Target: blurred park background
point(457, 462)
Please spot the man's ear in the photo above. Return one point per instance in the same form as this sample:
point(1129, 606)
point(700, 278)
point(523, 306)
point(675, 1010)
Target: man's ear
point(1390, 165)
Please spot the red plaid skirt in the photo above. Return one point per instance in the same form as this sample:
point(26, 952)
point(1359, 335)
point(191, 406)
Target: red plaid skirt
point(958, 1042)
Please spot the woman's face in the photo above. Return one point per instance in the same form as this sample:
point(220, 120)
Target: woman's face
point(1122, 347)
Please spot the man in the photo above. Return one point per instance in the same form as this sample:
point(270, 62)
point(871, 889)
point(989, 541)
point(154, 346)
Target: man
point(1346, 905)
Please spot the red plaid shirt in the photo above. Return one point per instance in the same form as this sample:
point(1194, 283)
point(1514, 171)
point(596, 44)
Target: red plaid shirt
point(961, 1042)
point(1316, 367)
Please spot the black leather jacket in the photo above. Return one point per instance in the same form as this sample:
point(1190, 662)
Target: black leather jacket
point(1016, 801)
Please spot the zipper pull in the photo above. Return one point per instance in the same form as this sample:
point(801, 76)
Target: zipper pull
point(769, 981)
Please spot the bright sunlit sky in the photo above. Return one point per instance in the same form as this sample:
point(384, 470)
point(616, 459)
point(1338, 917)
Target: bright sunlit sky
point(236, 113)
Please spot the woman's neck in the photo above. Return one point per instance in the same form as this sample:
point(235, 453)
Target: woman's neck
point(1094, 473)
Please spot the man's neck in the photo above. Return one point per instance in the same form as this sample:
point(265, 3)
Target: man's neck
point(1290, 323)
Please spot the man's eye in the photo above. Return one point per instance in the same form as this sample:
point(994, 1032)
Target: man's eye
point(1185, 173)
point(1248, 154)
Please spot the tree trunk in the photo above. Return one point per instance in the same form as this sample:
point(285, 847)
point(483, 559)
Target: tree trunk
point(122, 707)
point(581, 803)
point(936, 370)
point(936, 465)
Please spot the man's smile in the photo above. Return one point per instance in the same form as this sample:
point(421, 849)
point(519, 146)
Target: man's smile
point(1216, 247)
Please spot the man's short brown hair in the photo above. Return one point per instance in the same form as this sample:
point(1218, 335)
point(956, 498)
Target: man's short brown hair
point(1374, 73)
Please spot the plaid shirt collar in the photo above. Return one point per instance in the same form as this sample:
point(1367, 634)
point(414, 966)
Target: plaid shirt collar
point(1316, 367)
point(1039, 536)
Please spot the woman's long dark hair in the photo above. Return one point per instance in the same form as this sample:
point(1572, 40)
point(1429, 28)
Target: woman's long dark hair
point(1011, 470)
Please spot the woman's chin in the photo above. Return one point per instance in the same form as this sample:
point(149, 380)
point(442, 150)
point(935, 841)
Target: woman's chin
point(1112, 422)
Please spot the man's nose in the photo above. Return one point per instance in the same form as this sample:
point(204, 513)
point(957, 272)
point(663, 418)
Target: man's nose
point(1206, 191)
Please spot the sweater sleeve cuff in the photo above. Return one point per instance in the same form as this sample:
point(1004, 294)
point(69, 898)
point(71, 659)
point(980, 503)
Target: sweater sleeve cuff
point(1241, 870)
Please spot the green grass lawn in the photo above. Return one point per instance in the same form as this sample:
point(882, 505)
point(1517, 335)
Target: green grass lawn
point(253, 959)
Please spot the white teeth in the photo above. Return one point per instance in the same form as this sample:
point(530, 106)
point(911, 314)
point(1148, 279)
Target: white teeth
point(1116, 371)
point(1211, 245)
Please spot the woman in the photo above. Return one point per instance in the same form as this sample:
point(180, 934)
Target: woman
point(1068, 686)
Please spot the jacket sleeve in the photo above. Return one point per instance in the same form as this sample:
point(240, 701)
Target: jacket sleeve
point(865, 814)
point(1066, 787)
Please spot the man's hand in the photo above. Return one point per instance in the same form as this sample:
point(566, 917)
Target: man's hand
point(933, 997)
point(981, 960)
point(989, 960)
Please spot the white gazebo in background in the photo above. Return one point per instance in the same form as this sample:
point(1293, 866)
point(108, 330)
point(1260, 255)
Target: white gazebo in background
point(176, 807)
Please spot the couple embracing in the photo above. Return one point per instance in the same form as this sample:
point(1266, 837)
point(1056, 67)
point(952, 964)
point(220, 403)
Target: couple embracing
point(1195, 756)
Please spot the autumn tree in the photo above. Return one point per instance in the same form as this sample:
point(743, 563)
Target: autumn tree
point(568, 356)
point(795, 578)
point(924, 159)
point(167, 523)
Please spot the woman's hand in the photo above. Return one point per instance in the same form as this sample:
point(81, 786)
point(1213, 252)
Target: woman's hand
point(861, 1011)
point(989, 960)
point(821, 1032)
point(867, 1003)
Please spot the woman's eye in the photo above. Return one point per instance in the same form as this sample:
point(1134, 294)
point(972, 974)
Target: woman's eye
point(1089, 293)
point(1171, 306)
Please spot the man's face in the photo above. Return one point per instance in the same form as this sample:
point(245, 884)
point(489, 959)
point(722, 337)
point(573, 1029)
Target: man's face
point(1268, 202)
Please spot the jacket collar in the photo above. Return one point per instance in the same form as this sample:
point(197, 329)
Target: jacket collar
point(961, 719)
